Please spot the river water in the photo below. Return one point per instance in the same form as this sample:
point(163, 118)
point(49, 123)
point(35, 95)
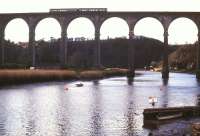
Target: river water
point(108, 107)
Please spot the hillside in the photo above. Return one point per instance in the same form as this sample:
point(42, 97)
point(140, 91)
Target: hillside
point(184, 57)
point(114, 52)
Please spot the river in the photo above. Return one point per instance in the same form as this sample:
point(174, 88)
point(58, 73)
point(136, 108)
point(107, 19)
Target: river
point(110, 107)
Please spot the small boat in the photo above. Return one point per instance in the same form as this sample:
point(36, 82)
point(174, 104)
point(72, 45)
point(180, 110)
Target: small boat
point(79, 85)
point(167, 117)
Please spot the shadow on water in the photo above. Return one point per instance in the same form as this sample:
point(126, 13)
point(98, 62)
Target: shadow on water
point(130, 81)
point(198, 81)
point(2, 126)
point(96, 82)
point(165, 81)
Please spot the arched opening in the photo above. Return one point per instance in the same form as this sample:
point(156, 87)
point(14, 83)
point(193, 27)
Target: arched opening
point(47, 29)
point(47, 35)
point(81, 33)
point(114, 27)
point(16, 43)
point(17, 30)
point(149, 27)
point(149, 36)
point(114, 45)
point(183, 31)
point(81, 29)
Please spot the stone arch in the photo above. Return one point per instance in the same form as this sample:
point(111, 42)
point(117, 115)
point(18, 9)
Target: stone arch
point(20, 28)
point(185, 21)
point(155, 22)
point(75, 22)
point(121, 20)
point(16, 30)
point(55, 33)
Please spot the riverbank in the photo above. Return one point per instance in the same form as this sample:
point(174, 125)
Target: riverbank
point(179, 127)
point(159, 69)
point(16, 76)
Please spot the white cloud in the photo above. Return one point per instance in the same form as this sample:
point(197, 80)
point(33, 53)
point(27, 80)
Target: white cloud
point(130, 5)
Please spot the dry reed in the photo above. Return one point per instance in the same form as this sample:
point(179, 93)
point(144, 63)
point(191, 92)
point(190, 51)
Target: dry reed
point(25, 76)
point(16, 76)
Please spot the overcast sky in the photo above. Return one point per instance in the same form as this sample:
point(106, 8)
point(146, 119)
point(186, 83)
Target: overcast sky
point(124, 5)
point(155, 31)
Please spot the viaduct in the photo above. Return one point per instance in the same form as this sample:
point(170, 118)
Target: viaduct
point(97, 16)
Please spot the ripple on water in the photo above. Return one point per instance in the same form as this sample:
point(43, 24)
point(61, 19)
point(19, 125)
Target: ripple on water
point(110, 107)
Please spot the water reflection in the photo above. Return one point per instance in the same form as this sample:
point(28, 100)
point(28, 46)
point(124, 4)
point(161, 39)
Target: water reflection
point(3, 130)
point(130, 113)
point(62, 112)
point(96, 82)
point(164, 95)
point(108, 107)
point(165, 81)
point(130, 81)
point(96, 116)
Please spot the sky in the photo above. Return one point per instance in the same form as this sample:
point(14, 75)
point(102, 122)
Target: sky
point(181, 30)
